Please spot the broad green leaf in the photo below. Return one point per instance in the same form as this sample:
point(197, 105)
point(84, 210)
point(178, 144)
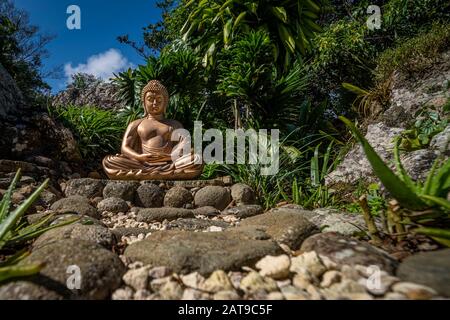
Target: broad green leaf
point(401, 170)
point(227, 31)
point(287, 37)
point(398, 189)
point(356, 90)
point(440, 180)
point(312, 5)
point(238, 20)
point(440, 235)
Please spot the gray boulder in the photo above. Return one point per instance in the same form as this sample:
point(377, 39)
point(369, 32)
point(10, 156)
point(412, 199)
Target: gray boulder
point(177, 197)
point(114, 205)
point(86, 187)
point(120, 189)
point(160, 214)
point(214, 196)
point(101, 273)
point(242, 194)
point(75, 204)
point(149, 195)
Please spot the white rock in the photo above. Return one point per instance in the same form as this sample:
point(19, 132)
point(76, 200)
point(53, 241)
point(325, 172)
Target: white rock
point(156, 284)
point(313, 292)
point(171, 290)
point(309, 261)
point(414, 291)
point(302, 280)
point(254, 282)
point(217, 281)
point(142, 295)
point(274, 267)
point(379, 284)
point(394, 296)
point(137, 278)
point(275, 296)
point(226, 295)
point(159, 272)
point(192, 294)
point(193, 280)
point(123, 294)
point(329, 278)
point(293, 293)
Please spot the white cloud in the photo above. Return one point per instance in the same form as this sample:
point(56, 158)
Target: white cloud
point(102, 65)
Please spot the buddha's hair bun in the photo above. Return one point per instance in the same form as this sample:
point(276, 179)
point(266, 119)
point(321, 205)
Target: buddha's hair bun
point(156, 86)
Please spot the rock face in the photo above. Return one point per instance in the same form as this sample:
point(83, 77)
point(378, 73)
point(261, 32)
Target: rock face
point(161, 214)
point(283, 226)
point(149, 195)
point(214, 196)
point(101, 272)
point(28, 131)
point(428, 268)
point(408, 95)
point(94, 93)
point(345, 250)
point(75, 204)
point(185, 252)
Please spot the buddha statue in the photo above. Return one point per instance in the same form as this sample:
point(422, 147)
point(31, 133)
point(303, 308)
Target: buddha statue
point(147, 151)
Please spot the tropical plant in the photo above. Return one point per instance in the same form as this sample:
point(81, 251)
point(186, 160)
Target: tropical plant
point(212, 25)
point(258, 94)
point(421, 205)
point(428, 123)
point(97, 131)
point(15, 233)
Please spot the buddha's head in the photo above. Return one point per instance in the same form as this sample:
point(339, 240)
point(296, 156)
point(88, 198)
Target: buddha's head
point(155, 98)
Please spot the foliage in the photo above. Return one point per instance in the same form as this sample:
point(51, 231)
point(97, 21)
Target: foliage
point(415, 54)
point(14, 233)
point(376, 202)
point(22, 49)
point(428, 123)
point(81, 81)
point(98, 132)
point(212, 25)
point(256, 91)
point(423, 204)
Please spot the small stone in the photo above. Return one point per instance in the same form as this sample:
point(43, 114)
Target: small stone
point(171, 290)
point(293, 293)
point(329, 278)
point(254, 282)
point(379, 284)
point(346, 289)
point(218, 281)
point(350, 273)
point(207, 211)
point(114, 205)
point(149, 195)
point(244, 211)
point(308, 261)
point(243, 194)
point(192, 294)
point(75, 204)
point(159, 272)
point(226, 295)
point(394, 296)
point(275, 296)
point(313, 292)
point(177, 197)
point(86, 187)
point(120, 189)
point(142, 294)
point(156, 284)
point(215, 196)
point(193, 280)
point(303, 279)
point(137, 278)
point(123, 294)
point(414, 291)
point(160, 214)
point(274, 267)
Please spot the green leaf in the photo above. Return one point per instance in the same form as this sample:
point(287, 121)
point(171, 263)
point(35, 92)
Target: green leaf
point(13, 217)
point(280, 13)
point(354, 89)
point(400, 169)
point(315, 175)
point(227, 31)
point(440, 235)
point(238, 20)
point(398, 189)
point(10, 272)
point(437, 201)
point(440, 181)
point(287, 37)
point(6, 200)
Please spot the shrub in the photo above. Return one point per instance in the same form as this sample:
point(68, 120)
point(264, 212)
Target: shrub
point(98, 132)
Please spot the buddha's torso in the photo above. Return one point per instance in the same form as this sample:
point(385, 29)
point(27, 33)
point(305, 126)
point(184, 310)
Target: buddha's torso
point(155, 133)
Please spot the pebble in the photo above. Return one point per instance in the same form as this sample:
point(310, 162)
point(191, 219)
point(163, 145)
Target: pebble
point(193, 280)
point(330, 277)
point(254, 282)
point(171, 290)
point(226, 295)
point(159, 272)
point(308, 261)
point(414, 291)
point(122, 294)
point(293, 293)
point(137, 278)
point(142, 294)
point(274, 267)
point(217, 281)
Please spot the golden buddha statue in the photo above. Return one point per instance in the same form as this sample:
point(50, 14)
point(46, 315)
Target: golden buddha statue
point(147, 151)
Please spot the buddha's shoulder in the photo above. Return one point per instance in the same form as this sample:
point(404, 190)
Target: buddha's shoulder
point(134, 124)
point(175, 124)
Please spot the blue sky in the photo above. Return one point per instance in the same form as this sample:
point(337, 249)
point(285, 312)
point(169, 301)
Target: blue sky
point(94, 48)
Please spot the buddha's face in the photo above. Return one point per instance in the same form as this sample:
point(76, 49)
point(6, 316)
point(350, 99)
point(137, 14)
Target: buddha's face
point(154, 103)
